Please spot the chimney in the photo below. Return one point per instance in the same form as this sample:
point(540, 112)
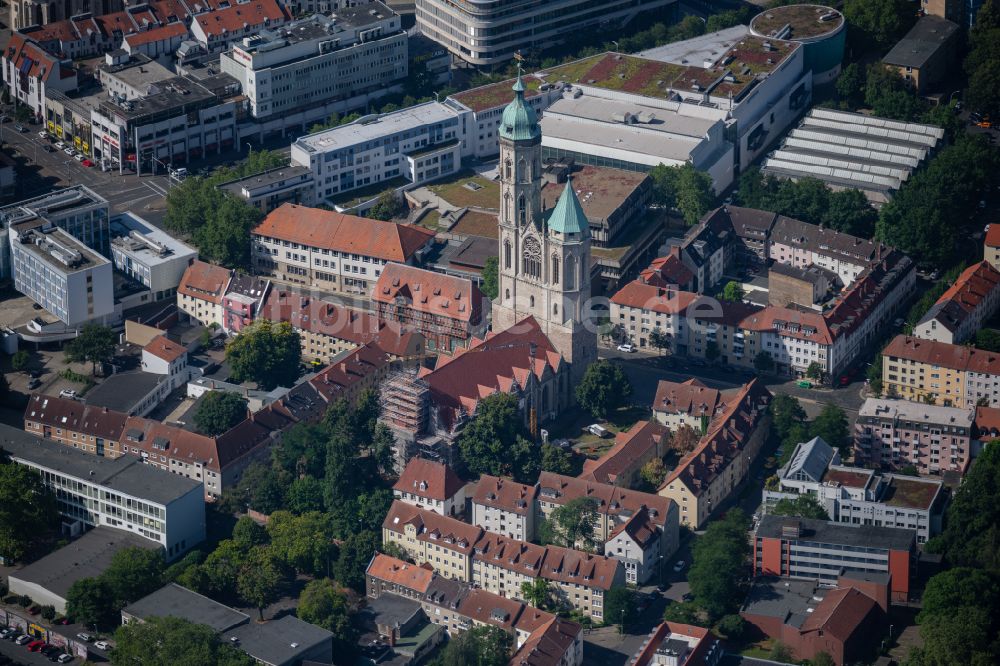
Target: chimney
point(675, 251)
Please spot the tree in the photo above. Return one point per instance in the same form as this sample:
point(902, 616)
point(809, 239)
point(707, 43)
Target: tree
point(732, 292)
point(218, 411)
point(27, 509)
point(803, 506)
point(303, 543)
point(684, 439)
point(850, 85)
point(573, 524)
point(173, 572)
point(266, 353)
point(719, 560)
point(491, 282)
point(988, 339)
point(763, 363)
point(659, 340)
point(556, 460)
point(19, 361)
point(780, 652)
point(48, 612)
point(484, 645)
point(355, 554)
point(302, 450)
point(822, 658)
point(831, 424)
point(732, 626)
point(305, 495)
point(909, 470)
point(248, 533)
point(536, 592)
point(382, 451)
point(95, 344)
point(786, 411)
point(387, 207)
point(815, 371)
point(258, 580)
point(603, 389)
point(326, 605)
point(879, 23)
point(493, 442)
point(653, 472)
point(620, 606)
point(90, 601)
point(983, 93)
point(132, 574)
point(166, 641)
point(224, 238)
point(221, 569)
point(684, 612)
point(261, 488)
point(684, 188)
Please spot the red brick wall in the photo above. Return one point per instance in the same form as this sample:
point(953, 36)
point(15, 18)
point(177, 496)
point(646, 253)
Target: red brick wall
point(899, 569)
point(770, 561)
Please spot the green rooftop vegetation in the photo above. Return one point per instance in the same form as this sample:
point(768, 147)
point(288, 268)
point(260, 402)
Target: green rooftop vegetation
point(353, 198)
point(469, 190)
point(613, 71)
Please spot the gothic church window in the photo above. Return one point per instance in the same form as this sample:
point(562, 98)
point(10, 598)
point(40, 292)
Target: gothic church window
point(532, 259)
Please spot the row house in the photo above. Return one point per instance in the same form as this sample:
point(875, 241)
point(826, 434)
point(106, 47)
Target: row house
point(444, 543)
point(432, 485)
point(707, 477)
point(964, 307)
point(893, 434)
point(215, 30)
point(540, 638)
point(636, 543)
point(688, 403)
point(330, 251)
point(447, 310)
point(29, 71)
point(800, 244)
point(201, 291)
point(505, 507)
point(940, 373)
point(668, 271)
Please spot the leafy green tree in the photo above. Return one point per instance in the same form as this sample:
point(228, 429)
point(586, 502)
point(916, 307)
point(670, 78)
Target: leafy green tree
point(958, 587)
point(19, 361)
point(305, 495)
point(266, 353)
point(620, 607)
point(815, 371)
point(388, 206)
point(491, 282)
point(659, 340)
point(248, 533)
point(536, 593)
point(258, 581)
point(484, 645)
point(494, 441)
point(684, 439)
point(261, 488)
point(803, 506)
point(218, 411)
point(224, 238)
point(879, 23)
point(91, 601)
point(48, 612)
point(95, 344)
point(850, 211)
point(653, 472)
point(850, 85)
point(909, 470)
point(988, 339)
point(326, 605)
point(355, 554)
point(728, 19)
point(684, 612)
point(785, 412)
point(831, 424)
point(732, 626)
point(167, 641)
point(573, 524)
point(823, 659)
point(604, 389)
point(27, 509)
point(888, 95)
point(132, 574)
point(382, 450)
point(732, 292)
point(222, 567)
point(763, 363)
point(173, 572)
point(983, 93)
point(719, 561)
point(780, 652)
point(556, 460)
point(302, 450)
point(304, 543)
point(684, 188)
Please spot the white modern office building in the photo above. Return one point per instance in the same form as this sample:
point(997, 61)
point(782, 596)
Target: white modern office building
point(124, 493)
point(71, 281)
point(486, 32)
point(149, 255)
point(314, 60)
point(409, 146)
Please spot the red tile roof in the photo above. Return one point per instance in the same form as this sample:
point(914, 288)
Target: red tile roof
point(611, 500)
point(636, 294)
point(573, 566)
point(690, 397)
point(488, 608)
point(30, 59)
point(444, 531)
point(666, 271)
point(329, 230)
point(430, 479)
point(318, 316)
point(204, 281)
point(61, 31)
point(163, 348)
point(75, 416)
point(547, 645)
point(840, 614)
point(360, 365)
point(506, 494)
point(638, 528)
point(629, 448)
point(398, 572)
point(993, 236)
point(429, 292)
point(988, 422)
point(237, 17)
point(964, 296)
point(511, 554)
point(170, 31)
point(791, 323)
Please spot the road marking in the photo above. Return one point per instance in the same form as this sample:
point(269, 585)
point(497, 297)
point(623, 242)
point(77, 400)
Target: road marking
point(156, 188)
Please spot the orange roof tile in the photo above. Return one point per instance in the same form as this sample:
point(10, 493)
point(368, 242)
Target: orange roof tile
point(993, 236)
point(611, 500)
point(635, 294)
point(430, 479)
point(163, 348)
point(446, 532)
point(547, 645)
point(572, 566)
point(239, 16)
point(506, 494)
point(690, 397)
point(840, 614)
point(398, 572)
point(204, 281)
point(511, 554)
point(329, 230)
point(429, 292)
point(168, 31)
point(73, 415)
point(629, 448)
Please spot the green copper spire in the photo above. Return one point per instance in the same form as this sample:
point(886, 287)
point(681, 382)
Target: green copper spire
point(519, 121)
point(568, 216)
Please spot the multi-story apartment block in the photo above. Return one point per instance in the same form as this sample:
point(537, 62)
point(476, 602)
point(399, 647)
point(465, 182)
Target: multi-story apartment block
point(991, 246)
point(637, 544)
point(820, 550)
point(115, 492)
point(95, 430)
point(148, 255)
point(500, 564)
point(407, 147)
point(162, 356)
point(620, 466)
point(860, 496)
point(243, 302)
point(580, 580)
point(224, 24)
point(71, 281)
point(429, 538)
point(892, 434)
point(942, 373)
point(331, 251)
point(964, 307)
point(29, 70)
point(201, 290)
point(431, 485)
point(447, 310)
point(800, 244)
point(505, 507)
point(688, 403)
point(703, 480)
point(485, 34)
point(313, 60)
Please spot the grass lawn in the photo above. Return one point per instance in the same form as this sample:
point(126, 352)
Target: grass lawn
point(457, 194)
point(570, 426)
point(430, 220)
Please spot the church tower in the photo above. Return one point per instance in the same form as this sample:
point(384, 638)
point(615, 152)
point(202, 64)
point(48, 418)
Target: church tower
point(544, 257)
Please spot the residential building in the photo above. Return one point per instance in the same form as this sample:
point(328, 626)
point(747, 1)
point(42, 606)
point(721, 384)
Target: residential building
point(487, 35)
point(115, 492)
point(223, 24)
point(243, 302)
point(444, 543)
point(689, 403)
point(952, 375)
point(159, 42)
point(894, 434)
point(923, 56)
point(25, 13)
point(668, 271)
point(705, 478)
point(70, 280)
point(810, 617)
point(637, 543)
point(331, 251)
point(860, 496)
point(818, 550)
point(621, 464)
point(874, 143)
point(201, 290)
point(581, 580)
point(352, 373)
point(95, 430)
point(807, 287)
point(446, 310)
point(130, 77)
point(676, 644)
point(500, 565)
point(313, 60)
point(48, 580)
point(162, 356)
point(953, 10)
point(267, 190)
point(798, 244)
point(431, 485)
point(29, 71)
point(991, 246)
point(149, 255)
point(403, 148)
point(963, 309)
point(505, 507)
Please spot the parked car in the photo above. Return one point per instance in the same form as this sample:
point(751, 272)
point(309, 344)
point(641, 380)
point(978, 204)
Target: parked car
point(36, 646)
point(680, 565)
point(844, 380)
point(102, 645)
point(69, 393)
point(22, 639)
point(48, 148)
point(20, 128)
point(628, 348)
point(79, 157)
point(60, 145)
point(86, 638)
point(43, 135)
point(86, 163)
point(69, 151)
point(65, 658)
